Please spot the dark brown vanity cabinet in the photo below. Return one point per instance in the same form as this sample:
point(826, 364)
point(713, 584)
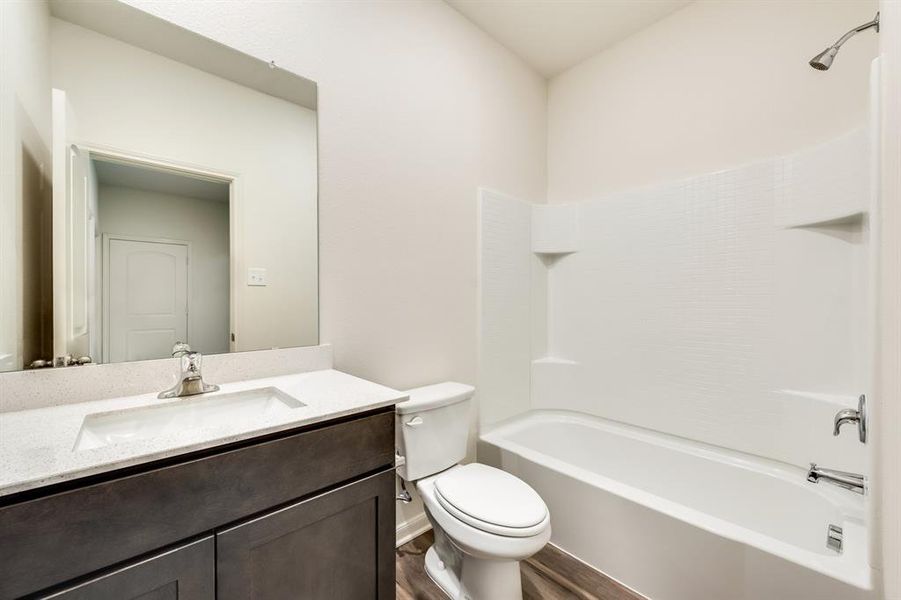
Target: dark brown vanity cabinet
point(306, 514)
point(329, 547)
point(185, 572)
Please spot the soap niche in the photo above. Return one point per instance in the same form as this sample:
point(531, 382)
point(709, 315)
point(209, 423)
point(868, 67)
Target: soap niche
point(555, 231)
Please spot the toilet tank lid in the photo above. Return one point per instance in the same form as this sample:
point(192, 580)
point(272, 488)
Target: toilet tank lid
point(434, 396)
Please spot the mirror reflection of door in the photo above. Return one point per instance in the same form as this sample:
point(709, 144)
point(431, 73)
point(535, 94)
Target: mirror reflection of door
point(73, 222)
point(36, 256)
point(146, 292)
point(164, 271)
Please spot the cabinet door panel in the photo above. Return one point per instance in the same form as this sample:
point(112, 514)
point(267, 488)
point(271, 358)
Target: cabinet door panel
point(336, 545)
point(185, 573)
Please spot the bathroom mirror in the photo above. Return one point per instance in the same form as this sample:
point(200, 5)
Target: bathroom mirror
point(157, 187)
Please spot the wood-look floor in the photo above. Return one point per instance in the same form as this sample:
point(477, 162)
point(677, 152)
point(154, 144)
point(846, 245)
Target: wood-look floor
point(549, 575)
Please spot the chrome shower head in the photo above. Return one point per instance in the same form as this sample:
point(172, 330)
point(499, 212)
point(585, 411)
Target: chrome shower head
point(823, 60)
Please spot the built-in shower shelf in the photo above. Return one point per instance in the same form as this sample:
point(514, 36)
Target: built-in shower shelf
point(555, 229)
point(847, 219)
point(827, 184)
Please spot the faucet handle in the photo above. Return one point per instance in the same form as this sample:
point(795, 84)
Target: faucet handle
point(846, 415)
point(180, 349)
point(849, 415)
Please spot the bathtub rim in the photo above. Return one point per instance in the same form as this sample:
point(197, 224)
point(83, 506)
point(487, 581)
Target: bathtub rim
point(851, 567)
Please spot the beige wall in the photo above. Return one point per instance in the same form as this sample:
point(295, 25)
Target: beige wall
point(417, 107)
point(715, 85)
point(131, 100)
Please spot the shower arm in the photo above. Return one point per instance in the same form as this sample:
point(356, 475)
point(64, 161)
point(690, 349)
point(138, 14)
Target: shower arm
point(856, 30)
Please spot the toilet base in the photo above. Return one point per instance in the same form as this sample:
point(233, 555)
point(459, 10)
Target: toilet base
point(481, 579)
point(443, 577)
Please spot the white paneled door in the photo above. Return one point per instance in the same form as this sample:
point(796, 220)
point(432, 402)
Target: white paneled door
point(146, 298)
point(74, 223)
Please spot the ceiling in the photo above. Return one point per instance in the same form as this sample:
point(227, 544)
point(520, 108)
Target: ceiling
point(553, 35)
point(159, 180)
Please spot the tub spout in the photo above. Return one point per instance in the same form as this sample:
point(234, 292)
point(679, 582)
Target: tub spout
point(849, 481)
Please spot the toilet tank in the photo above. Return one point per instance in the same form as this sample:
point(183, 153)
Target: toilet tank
point(432, 428)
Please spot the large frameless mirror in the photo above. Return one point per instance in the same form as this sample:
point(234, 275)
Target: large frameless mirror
point(157, 187)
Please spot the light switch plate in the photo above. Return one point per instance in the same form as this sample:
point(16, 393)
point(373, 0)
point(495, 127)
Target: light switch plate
point(256, 276)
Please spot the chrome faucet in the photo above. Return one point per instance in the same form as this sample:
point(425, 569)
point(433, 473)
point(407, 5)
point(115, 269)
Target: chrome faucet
point(190, 380)
point(850, 481)
point(849, 415)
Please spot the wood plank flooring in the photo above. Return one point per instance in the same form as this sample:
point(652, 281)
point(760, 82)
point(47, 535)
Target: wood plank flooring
point(549, 575)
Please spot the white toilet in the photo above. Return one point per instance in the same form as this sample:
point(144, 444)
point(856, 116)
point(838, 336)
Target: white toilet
point(485, 520)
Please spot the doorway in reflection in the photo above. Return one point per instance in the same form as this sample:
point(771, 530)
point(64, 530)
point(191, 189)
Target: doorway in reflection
point(161, 261)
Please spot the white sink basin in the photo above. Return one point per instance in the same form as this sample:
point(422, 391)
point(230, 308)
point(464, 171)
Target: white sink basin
point(104, 429)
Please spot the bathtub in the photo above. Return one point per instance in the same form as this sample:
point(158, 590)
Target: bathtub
point(680, 520)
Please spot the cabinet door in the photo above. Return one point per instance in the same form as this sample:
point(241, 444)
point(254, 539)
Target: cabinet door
point(185, 573)
point(335, 546)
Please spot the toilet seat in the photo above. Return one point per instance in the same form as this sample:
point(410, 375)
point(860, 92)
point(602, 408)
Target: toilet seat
point(492, 501)
point(473, 541)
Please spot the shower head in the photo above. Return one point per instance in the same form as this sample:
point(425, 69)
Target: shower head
point(823, 60)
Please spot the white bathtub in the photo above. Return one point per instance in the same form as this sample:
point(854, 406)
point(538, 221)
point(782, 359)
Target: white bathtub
point(680, 520)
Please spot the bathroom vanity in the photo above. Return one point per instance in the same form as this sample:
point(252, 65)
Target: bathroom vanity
point(150, 228)
point(303, 511)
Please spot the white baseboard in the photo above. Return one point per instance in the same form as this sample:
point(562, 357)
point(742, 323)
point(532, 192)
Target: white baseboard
point(412, 528)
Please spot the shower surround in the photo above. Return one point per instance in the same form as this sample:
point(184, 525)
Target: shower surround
point(724, 309)
point(721, 308)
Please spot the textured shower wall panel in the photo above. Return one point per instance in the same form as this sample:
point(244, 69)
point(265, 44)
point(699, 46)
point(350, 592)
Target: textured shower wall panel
point(505, 336)
point(690, 310)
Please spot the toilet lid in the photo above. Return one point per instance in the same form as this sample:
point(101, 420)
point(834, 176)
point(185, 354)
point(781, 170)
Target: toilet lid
point(492, 500)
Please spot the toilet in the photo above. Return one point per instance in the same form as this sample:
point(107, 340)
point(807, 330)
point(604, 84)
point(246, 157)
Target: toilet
point(485, 520)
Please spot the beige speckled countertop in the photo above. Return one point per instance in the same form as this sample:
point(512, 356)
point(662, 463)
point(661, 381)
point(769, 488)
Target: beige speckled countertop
point(36, 446)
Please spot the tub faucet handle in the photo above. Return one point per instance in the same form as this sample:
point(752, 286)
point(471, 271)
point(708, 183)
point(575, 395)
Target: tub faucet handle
point(849, 415)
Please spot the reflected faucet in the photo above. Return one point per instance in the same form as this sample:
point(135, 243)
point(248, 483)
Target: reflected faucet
point(190, 379)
